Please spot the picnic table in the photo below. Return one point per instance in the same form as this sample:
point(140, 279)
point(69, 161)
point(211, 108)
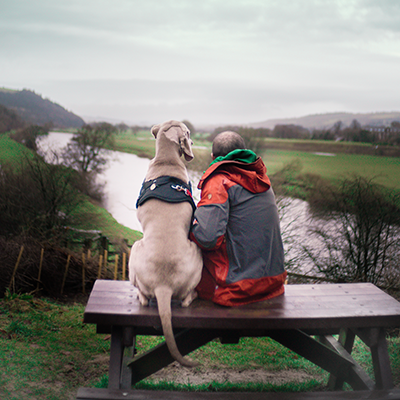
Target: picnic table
point(304, 320)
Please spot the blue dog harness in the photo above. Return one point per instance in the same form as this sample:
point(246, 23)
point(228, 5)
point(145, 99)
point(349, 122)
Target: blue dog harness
point(166, 188)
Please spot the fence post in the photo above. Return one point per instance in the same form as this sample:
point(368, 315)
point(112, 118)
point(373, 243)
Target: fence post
point(40, 268)
point(116, 267)
point(105, 257)
point(12, 283)
point(123, 266)
point(100, 266)
point(65, 273)
point(83, 273)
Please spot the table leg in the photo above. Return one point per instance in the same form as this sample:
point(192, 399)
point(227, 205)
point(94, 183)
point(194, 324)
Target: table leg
point(121, 352)
point(116, 355)
point(375, 339)
point(321, 355)
point(336, 381)
point(346, 339)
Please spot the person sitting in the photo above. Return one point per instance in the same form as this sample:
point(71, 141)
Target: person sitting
point(236, 224)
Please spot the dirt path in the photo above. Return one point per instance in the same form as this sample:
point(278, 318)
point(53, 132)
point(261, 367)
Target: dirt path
point(178, 374)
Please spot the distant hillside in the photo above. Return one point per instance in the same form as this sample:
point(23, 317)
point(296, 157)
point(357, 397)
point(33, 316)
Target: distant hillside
point(322, 121)
point(33, 109)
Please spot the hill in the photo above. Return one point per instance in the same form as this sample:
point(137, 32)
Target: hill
point(33, 109)
point(323, 121)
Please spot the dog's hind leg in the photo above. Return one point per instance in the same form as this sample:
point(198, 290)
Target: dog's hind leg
point(189, 298)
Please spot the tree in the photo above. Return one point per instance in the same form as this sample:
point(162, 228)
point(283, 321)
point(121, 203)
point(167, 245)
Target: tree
point(337, 128)
point(86, 152)
point(189, 126)
point(352, 133)
point(290, 132)
point(359, 232)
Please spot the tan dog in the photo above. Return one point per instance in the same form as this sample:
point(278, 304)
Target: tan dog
point(165, 264)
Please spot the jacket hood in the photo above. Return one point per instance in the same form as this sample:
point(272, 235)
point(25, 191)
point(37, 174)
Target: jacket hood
point(251, 175)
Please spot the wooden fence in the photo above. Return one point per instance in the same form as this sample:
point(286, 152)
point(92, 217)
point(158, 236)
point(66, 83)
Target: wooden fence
point(111, 263)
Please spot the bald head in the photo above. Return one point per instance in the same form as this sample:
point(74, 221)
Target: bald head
point(225, 142)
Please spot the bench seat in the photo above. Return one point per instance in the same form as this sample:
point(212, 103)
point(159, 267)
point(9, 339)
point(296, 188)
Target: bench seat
point(116, 394)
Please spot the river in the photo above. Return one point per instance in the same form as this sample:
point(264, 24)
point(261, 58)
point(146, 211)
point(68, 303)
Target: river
point(123, 178)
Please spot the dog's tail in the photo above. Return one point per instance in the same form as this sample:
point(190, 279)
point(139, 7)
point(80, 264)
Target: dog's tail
point(164, 295)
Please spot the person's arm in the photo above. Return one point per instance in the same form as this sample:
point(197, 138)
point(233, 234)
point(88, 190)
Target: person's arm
point(212, 214)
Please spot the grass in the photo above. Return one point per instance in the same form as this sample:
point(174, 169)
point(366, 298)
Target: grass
point(11, 151)
point(385, 169)
point(46, 351)
point(141, 143)
point(102, 220)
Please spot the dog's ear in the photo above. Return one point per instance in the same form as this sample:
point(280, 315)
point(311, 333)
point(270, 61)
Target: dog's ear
point(173, 133)
point(154, 130)
point(186, 146)
point(181, 136)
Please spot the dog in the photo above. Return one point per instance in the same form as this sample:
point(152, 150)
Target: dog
point(165, 264)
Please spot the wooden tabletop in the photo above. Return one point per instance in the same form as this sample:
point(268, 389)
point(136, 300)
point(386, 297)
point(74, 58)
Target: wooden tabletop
point(323, 306)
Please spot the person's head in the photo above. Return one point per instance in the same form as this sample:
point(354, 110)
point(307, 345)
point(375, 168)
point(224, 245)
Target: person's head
point(225, 142)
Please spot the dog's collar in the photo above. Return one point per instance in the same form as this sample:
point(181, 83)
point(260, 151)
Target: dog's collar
point(166, 188)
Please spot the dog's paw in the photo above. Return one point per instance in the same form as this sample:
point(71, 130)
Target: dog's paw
point(144, 301)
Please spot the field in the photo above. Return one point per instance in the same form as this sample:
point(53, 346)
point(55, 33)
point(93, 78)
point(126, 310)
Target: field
point(330, 160)
point(385, 170)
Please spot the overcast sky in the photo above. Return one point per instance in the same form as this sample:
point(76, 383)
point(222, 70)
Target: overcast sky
point(207, 61)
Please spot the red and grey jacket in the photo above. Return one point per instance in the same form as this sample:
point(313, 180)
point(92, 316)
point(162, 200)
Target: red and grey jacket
point(237, 226)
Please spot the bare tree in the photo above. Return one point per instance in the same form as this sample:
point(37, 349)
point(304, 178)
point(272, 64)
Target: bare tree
point(37, 199)
point(359, 232)
point(87, 151)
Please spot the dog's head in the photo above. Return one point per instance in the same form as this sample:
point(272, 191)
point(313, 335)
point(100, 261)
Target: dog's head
point(178, 133)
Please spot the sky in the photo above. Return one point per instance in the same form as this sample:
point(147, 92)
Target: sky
point(211, 62)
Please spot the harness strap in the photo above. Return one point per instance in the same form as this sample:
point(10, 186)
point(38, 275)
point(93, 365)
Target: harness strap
point(166, 188)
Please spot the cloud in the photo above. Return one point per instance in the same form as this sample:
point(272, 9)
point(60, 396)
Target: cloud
point(214, 59)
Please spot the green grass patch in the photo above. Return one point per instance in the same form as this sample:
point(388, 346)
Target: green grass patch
point(46, 351)
point(141, 143)
point(91, 216)
point(312, 385)
point(385, 169)
point(11, 151)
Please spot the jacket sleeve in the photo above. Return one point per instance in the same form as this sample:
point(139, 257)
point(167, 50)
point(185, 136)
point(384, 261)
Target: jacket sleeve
point(212, 214)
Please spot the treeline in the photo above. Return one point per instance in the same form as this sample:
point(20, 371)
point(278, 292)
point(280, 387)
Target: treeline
point(382, 135)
